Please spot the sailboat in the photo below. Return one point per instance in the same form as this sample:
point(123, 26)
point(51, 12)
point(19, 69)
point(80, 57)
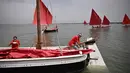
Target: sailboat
point(54, 29)
point(37, 58)
point(46, 19)
point(95, 20)
point(84, 22)
point(126, 20)
point(106, 22)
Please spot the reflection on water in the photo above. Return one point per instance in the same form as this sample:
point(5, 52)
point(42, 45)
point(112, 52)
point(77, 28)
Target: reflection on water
point(96, 69)
point(125, 28)
point(45, 39)
point(95, 32)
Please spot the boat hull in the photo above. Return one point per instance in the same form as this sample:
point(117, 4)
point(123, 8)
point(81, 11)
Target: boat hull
point(126, 25)
point(64, 68)
point(32, 62)
point(49, 65)
point(105, 26)
point(46, 31)
point(95, 26)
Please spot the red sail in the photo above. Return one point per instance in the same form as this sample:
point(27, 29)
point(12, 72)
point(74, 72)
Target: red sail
point(126, 20)
point(95, 19)
point(49, 17)
point(105, 21)
point(36, 53)
point(45, 15)
point(85, 22)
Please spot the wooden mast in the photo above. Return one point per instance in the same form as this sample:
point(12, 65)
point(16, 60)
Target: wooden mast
point(38, 45)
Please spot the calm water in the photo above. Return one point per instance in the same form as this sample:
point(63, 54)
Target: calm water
point(113, 42)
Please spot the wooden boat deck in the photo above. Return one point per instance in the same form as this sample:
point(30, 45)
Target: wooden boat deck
point(96, 55)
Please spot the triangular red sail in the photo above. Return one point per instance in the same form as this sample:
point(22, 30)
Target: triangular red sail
point(95, 19)
point(105, 21)
point(126, 20)
point(49, 17)
point(85, 22)
point(45, 15)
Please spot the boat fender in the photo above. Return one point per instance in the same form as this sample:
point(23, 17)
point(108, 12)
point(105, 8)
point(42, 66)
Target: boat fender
point(80, 52)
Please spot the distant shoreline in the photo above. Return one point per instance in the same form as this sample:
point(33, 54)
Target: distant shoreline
point(65, 23)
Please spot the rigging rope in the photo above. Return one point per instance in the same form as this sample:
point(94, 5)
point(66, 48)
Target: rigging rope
point(51, 6)
point(56, 24)
point(44, 37)
point(57, 35)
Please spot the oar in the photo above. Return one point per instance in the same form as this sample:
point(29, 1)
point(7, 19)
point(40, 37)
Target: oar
point(90, 42)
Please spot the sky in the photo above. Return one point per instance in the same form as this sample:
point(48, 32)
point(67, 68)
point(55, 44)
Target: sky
point(21, 11)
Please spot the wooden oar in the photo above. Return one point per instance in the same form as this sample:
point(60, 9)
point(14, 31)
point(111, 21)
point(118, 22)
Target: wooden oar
point(90, 42)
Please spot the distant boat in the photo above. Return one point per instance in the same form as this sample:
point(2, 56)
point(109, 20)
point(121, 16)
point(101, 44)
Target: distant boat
point(46, 18)
point(95, 20)
point(106, 22)
point(126, 20)
point(84, 22)
point(55, 29)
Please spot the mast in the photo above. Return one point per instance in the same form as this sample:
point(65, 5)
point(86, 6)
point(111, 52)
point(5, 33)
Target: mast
point(38, 45)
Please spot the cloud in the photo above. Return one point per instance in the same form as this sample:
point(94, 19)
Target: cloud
point(21, 11)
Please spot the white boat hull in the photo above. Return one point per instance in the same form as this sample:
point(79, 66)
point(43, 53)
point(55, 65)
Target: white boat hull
point(31, 62)
point(49, 65)
point(49, 61)
point(96, 26)
point(105, 26)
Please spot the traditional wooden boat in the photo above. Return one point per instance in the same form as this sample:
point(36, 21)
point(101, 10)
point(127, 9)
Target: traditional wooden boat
point(45, 14)
point(55, 29)
point(95, 20)
point(24, 59)
point(126, 21)
point(84, 22)
point(51, 30)
point(106, 22)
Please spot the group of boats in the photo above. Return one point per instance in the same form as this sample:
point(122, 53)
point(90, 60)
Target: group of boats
point(96, 21)
point(57, 58)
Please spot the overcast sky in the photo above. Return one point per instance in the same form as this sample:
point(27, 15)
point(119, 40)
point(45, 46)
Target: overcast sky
point(21, 11)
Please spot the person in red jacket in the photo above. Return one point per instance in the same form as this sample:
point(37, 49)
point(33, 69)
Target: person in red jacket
point(15, 43)
point(75, 40)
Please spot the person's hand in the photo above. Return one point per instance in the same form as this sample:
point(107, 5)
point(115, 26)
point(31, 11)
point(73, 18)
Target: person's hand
point(72, 44)
point(9, 44)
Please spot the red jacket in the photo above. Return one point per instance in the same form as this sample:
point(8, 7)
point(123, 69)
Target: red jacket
point(15, 43)
point(74, 40)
